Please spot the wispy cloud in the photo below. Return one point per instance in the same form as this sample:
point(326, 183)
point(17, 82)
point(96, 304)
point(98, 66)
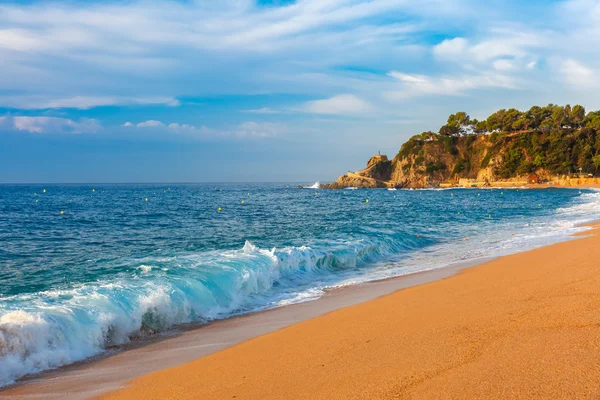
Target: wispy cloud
point(342, 104)
point(50, 124)
point(420, 85)
point(81, 102)
point(578, 74)
point(248, 129)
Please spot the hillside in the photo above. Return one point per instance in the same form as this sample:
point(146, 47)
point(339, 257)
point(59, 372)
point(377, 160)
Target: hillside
point(550, 142)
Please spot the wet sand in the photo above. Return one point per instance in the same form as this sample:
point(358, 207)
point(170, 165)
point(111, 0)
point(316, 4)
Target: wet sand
point(521, 326)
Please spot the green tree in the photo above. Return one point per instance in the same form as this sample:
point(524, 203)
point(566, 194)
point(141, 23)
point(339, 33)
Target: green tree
point(577, 115)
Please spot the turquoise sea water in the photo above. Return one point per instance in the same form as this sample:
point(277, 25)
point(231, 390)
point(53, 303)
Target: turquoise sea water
point(114, 267)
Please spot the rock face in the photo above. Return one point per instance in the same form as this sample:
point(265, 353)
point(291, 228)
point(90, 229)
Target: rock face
point(435, 160)
point(376, 175)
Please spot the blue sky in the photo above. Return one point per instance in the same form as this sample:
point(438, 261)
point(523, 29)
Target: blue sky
point(246, 90)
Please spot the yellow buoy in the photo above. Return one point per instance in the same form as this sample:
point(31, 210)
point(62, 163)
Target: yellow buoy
point(219, 209)
point(501, 192)
point(452, 194)
point(478, 194)
point(243, 202)
point(62, 212)
point(36, 201)
point(44, 190)
point(539, 205)
point(146, 199)
point(93, 190)
point(366, 201)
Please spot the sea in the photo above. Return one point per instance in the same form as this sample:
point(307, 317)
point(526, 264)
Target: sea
point(88, 268)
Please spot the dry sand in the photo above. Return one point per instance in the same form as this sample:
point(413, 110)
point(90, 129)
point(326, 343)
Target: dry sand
point(522, 326)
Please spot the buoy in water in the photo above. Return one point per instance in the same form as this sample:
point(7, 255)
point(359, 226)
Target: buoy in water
point(62, 212)
point(36, 201)
point(44, 190)
point(459, 212)
point(93, 190)
point(146, 199)
point(366, 201)
point(219, 209)
point(243, 202)
point(539, 205)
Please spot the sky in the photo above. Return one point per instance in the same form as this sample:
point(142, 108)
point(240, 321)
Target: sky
point(276, 91)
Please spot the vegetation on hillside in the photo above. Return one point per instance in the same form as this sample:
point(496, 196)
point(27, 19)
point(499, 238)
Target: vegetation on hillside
point(556, 139)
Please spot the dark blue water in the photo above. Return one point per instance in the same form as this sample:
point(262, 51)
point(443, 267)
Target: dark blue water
point(84, 267)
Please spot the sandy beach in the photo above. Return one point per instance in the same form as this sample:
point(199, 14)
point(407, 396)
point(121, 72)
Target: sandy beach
point(522, 326)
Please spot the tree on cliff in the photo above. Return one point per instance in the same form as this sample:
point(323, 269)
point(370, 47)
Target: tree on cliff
point(457, 124)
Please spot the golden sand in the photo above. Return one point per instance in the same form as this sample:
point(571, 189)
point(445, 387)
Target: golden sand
point(522, 326)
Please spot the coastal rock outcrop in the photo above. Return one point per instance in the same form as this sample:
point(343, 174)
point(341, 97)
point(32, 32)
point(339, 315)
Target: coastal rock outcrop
point(555, 143)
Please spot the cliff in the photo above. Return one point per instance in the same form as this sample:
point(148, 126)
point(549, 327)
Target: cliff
point(490, 153)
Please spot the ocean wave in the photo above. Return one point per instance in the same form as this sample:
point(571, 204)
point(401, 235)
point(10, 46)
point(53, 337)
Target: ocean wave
point(49, 329)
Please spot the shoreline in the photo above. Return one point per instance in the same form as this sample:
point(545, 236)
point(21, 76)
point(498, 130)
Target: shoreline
point(112, 370)
point(520, 326)
point(109, 372)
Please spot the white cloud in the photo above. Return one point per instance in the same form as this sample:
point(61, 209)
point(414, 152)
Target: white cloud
point(578, 74)
point(500, 47)
point(504, 65)
point(81, 102)
point(343, 104)
point(53, 124)
point(150, 124)
point(248, 129)
point(452, 49)
point(419, 85)
point(107, 53)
